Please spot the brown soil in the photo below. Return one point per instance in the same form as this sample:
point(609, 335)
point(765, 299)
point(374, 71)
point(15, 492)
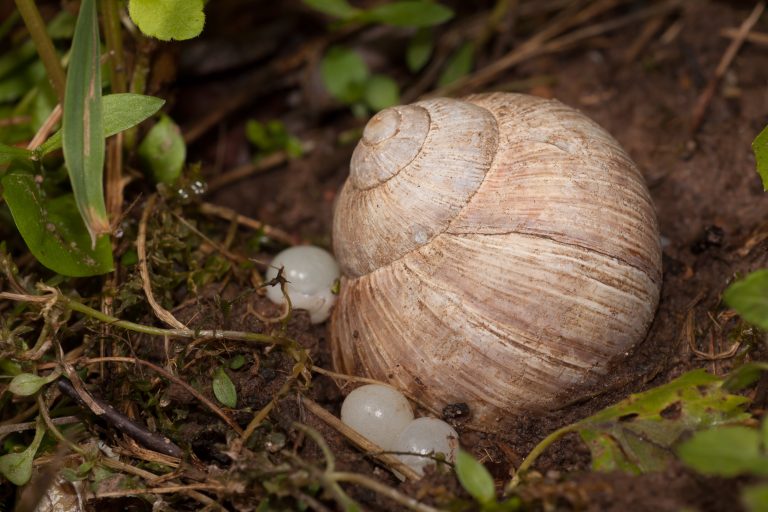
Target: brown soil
point(710, 204)
point(708, 197)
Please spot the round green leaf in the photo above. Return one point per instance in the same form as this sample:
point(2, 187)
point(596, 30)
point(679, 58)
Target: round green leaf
point(749, 297)
point(344, 74)
point(163, 151)
point(381, 92)
point(475, 478)
point(409, 14)
point(223, 388)
point(168, 19)
point(26, 384)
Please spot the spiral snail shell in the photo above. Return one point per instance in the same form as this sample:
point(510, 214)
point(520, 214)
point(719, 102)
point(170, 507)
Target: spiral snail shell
point(500, 250)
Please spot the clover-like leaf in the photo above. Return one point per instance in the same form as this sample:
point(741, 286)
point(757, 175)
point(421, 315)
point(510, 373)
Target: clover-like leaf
point(223, 388)
point(168, 19)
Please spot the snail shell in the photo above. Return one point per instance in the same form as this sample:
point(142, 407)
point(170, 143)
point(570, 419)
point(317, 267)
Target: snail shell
point(501, 250)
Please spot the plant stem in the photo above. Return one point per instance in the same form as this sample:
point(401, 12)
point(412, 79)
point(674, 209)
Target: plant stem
point(157, 331)
point(384, 490)
point(74, 305)
point(118, 83)
point(538, 450)
point(43, 44)
point(114, 39)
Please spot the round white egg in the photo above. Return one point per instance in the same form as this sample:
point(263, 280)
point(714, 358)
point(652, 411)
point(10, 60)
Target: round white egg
point(377, 412)
point(311, 274)
point(428, 437)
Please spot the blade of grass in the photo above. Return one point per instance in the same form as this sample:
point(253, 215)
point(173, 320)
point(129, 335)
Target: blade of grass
point(82, 132)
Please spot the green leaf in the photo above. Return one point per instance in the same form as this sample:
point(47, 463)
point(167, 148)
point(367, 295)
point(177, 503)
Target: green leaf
point(744, 376)
point(381, 92)
point(163, 151)
point(409, 14)
point(475, 479)
point(237, 362)
point(224, 389)
point(26, 384)
point(272, 136)
point(755, 498)
point(168, 19)
point(458, 65)
point(53, 229)
point(760, 148)
point(120, 111)
point(749, 297)
point(344, 74)
point(338, 8)
point(82, 132)
point(637, 434)
point(725, 451)
point(419, 49)
point(8, 153)
point(17, 467)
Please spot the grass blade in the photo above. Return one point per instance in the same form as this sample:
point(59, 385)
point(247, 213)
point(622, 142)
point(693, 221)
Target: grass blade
point(82, 132)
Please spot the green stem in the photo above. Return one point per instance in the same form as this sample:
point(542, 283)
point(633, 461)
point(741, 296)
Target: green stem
point(538, 450)
point(43, 44)
point(8, 24)
point(114, 39)
point(157, 331)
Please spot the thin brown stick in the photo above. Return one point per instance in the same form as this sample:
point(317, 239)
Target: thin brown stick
point(46, 129)
point(121, 422)
point(235, 258)
point(53, 428)
point(760, 38)
point(231, 215)
point(705, 98)
point(141, 248)
point(651, 27)
point(29, 425)
point(537, 45)
point(360, 441)
point(161, 490)
point(251, 168)
point(114, 180)
point(151, 477)
point(162, 371)
point(384, 490)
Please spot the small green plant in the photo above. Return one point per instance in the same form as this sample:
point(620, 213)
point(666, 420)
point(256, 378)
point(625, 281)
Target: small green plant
point(168, 19)
point(734, 450)
point(270, 137)
point(223, 388)
point(68, 231)
point(478, 482)
point(348, 79)
point(346, 75)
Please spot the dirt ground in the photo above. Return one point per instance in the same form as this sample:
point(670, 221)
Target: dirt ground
point(640, 82)
point(710, 204)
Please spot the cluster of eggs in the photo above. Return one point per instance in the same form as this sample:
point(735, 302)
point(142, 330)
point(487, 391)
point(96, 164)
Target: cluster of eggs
point(380, 413)
point(383, 415)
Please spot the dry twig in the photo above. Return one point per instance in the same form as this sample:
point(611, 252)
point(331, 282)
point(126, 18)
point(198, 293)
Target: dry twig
point(141, 248)
point(166, 374)
point(360, 441)
point(705, 98)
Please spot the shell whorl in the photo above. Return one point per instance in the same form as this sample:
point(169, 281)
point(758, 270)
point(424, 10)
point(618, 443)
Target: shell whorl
point(413, 171)
point(391, 140)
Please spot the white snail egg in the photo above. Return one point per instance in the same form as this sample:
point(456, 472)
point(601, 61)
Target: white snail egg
point(428, 437)
point(311, 274)
point(377, 412)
